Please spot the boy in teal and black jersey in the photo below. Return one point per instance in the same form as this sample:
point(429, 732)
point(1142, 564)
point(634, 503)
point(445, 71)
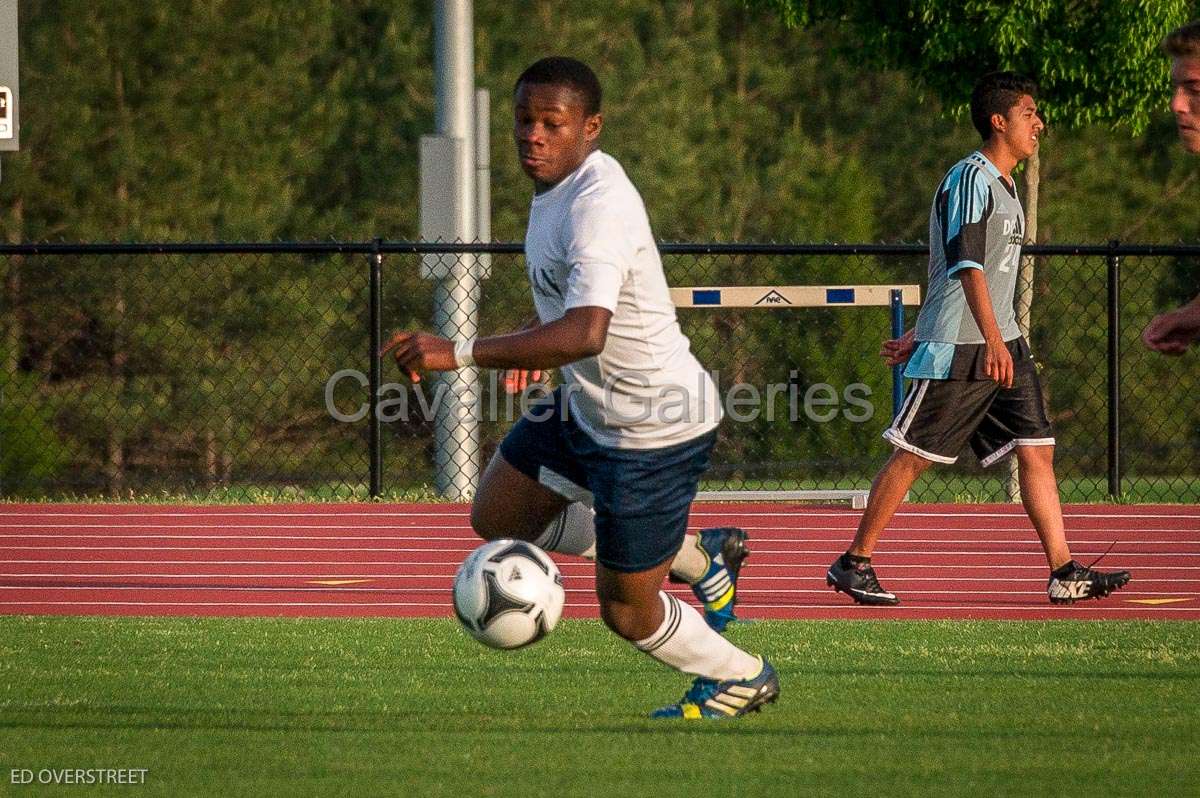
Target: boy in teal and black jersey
point(973, 378)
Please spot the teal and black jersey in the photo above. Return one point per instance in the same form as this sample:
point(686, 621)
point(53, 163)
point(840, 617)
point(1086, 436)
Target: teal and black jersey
point(976, 223)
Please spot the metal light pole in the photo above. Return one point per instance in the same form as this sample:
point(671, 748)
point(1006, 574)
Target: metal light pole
point(448, 213)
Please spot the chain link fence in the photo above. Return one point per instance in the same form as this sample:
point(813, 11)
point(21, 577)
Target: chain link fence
point(245, 372)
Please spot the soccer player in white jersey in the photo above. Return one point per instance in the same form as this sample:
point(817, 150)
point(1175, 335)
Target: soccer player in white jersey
point(608, 467)
point(973, 377)
point(1173, 332)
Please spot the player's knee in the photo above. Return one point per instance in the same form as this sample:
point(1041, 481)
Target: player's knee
point(1036, 456)
point(492, 522)
point(484, 522)
point(630, 621)
point(627, 620)
point(914, 464)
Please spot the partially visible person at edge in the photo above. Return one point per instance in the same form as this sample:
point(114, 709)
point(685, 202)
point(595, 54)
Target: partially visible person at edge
point(1173, 332)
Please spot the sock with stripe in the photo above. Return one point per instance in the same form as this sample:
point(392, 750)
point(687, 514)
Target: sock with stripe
point(686, 643)
point(572, 532)
point(691, 563)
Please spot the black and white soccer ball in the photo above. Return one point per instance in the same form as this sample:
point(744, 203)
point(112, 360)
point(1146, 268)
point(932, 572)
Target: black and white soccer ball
point(508, 594)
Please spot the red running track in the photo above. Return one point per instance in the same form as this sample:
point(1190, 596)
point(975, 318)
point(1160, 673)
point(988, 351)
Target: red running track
point(945, 561)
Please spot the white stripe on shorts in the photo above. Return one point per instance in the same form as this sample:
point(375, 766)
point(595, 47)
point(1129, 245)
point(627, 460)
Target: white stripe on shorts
point(1008, 447)
point(896, 439)
point(918, 395)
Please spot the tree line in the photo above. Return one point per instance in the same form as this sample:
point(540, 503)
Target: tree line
point(300, 120)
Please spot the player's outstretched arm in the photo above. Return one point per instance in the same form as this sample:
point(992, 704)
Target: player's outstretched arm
point(580, 333)
point(998, 362)
point(1173, 332)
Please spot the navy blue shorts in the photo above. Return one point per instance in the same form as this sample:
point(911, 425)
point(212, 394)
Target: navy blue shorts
point(641, 496)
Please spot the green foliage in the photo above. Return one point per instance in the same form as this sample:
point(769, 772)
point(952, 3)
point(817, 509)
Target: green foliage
point(301, 119)
point(710, 111)
point(31, 454)
point(162, 119)
point(1096, 61)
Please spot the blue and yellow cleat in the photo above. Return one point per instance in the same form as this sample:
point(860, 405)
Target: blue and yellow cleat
point(725, 548)
point(709, 698)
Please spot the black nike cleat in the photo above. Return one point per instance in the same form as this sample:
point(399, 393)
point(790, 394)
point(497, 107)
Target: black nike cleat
point(1074, 582)
point(859, 582)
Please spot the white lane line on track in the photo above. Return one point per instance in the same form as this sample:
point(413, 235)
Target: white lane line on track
point(891, 538)
point(457, 512)
point(463, 511)
point(229, 526)
point(230, 588)
point(1051, 611)
point(762, 552)
point(201, 512)
point(850, 608)
point(341, 604)
point(439, 589)
point(407, 564)
point(1021, 514)
point(463, 520)
point(1042, 593)
point(447, 578)
point(1113, 565)
point(1040, 580)
point(243, 589)
point(469, 535)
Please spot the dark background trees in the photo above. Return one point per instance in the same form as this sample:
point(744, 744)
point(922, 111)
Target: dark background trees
point(300, 120)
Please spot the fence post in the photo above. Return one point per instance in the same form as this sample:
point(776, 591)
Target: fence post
point(898, 369)
point(456, 432)
point(375, 455)
point(1114, 371)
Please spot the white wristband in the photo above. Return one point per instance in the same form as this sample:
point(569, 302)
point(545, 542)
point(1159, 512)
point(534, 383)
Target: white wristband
point(463, 352)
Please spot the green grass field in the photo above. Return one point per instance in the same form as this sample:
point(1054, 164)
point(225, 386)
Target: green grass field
point(413, 707)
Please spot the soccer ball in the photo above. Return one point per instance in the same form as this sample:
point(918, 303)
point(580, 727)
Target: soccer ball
point(508, 594)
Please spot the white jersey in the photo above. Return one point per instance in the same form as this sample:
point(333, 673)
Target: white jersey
point(589, 244)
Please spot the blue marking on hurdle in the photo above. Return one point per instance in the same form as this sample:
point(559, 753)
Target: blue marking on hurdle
point(706, 297)
point(839, 296)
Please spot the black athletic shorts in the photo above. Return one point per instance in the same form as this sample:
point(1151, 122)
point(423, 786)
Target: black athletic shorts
point(940, 417)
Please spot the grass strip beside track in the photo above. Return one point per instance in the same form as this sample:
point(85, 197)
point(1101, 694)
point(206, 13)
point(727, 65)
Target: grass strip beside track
point(413, 707)
point(935, 485)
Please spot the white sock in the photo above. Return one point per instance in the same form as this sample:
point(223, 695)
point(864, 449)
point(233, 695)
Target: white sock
point(686, 643)
point(691, 563)
point(573, 531)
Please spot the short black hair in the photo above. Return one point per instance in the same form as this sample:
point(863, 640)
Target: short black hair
point(1183, 42)
point(995, 93)
point(559, 70)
